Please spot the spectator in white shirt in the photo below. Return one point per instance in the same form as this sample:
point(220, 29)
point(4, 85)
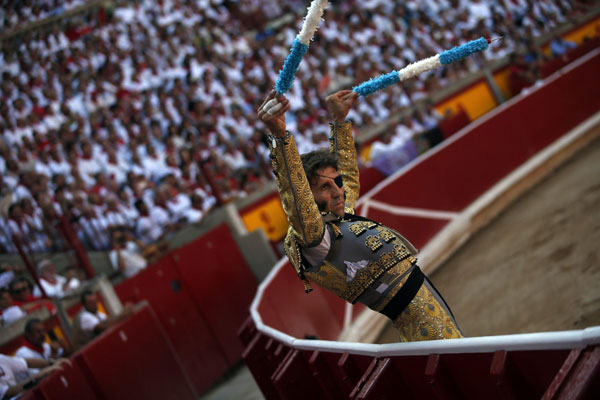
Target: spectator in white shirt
point(87, 165)
point(57, 164)
point(114, 168)
point(91, 322)
point(35, 346)
point(42, 164)
point(11, 367)
point(126, 255)
point(9, 312)
point(53, 284)
point(146, 229)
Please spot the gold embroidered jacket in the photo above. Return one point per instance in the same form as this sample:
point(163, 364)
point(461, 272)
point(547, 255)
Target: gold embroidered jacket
point(306, 226)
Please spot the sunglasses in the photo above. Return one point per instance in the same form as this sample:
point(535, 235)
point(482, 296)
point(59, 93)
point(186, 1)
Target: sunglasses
point(338, 180)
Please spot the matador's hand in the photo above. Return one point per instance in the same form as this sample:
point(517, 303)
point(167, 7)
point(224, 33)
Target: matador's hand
point(339, 104)
point(272, 113)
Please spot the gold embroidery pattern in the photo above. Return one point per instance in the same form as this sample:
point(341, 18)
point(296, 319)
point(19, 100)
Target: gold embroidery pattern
point(386, 235)
point(336, 230)
point(360, 227)
point(357, 228)
point(401, 250)
point(331, 278)
point(296, 197)
point(335, 281)
point(342, 144)
point(425, 319)
point(373, 243)
point(292, 250)
point(372, 272)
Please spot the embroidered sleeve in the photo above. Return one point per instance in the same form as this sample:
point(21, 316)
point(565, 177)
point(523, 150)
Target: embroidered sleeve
point(342, 143)
point(304, 218)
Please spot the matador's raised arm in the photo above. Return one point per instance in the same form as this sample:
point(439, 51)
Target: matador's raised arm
point(342, 144)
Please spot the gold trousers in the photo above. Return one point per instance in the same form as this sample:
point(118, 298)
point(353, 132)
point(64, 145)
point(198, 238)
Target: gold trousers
point(427, 317)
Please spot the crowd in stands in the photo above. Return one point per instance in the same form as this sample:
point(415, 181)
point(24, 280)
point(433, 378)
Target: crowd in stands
point(143, 119)
point(19, 296)
point(39, 350)
point(16, 14)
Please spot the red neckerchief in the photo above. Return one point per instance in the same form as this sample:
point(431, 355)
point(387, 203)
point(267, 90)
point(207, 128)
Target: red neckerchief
point(29, 345)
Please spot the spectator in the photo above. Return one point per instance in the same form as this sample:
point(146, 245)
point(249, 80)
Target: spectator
point(21, 291)
point(127, 256)
point(7, 274)
point(35, 346)
point(11, 367)
point(197, 212)
point(53, 284)
point(9, 311)
point(559, 46)
point(90, 322)
point(152, 228)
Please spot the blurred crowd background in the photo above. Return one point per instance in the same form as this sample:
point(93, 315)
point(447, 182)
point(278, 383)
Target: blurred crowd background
point(139, 118)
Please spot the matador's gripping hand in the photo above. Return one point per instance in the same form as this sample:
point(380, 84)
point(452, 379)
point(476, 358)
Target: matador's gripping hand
point(272, 113)
point(340, 103)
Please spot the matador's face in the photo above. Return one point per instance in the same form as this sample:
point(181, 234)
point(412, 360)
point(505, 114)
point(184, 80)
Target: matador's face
point(328, 191)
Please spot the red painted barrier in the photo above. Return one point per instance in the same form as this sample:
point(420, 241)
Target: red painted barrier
point(557, 63)
point(463, 170)
point(134, 360)
point(191, 336)
point(299, 314)
point(221, 285)
point(201, 294)
point(453, 124)
point(69, 383)
point(369, 177)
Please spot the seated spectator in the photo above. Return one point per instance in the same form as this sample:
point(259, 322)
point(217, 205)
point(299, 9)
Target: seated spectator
point(152, 228)
point(12, 367)
point(53, 284)
point(127, 254)
point(9, 312)
point(91, 322)
point(559, 46)
point(35, 345)
point(21, 292)
point(197, 212)
point(7, 274)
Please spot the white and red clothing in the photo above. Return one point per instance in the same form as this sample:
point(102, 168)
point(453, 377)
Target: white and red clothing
point(132, 258)
point(29, 350)
point(10, 367)
point(54, 287)
point(12, 314)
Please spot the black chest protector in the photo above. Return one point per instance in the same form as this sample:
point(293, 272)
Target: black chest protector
point(366, 260)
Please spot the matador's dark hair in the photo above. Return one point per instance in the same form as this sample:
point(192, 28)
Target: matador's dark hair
point(317, 159)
